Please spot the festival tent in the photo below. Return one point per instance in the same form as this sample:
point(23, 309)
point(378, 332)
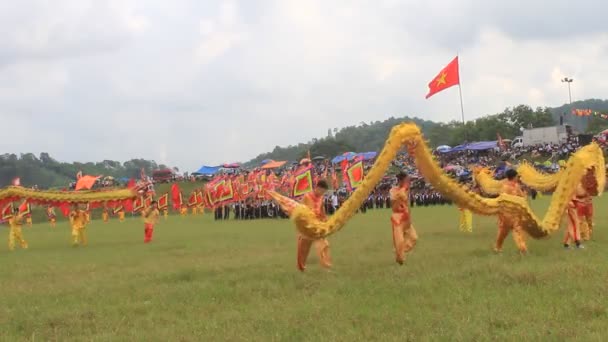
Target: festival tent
point(273, 164)
point(266, 161)
point(475, 146)
point(482, 145)
point(207, 170)
point(344, 156)
point(443, 148)
point(318, 158)
point(231, 166)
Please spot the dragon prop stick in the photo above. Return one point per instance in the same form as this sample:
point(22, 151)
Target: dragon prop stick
point(15, 193)
point(409, 134)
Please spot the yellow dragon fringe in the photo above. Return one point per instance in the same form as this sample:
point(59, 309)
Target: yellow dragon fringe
point(409, 134)
point(17, 193)
point(527, 173)
point(537, 180)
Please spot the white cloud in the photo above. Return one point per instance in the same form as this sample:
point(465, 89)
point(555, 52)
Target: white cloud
point(192, 82)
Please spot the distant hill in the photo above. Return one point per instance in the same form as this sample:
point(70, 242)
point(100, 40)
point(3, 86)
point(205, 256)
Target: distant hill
point(364, 137)
point(579, 123)
point(47, 172)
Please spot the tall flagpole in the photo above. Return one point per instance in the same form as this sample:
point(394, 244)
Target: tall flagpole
point(460, 93)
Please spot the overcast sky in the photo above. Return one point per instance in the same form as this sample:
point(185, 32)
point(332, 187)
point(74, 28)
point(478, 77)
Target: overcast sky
point(190, 82)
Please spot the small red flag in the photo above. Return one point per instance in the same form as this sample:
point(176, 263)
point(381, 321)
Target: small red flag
point(447, 77)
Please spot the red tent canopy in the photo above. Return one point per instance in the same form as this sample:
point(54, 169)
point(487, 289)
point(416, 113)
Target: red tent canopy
point(273, 164)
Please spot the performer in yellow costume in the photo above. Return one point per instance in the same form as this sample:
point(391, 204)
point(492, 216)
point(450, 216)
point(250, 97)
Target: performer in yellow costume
point(105, 215)
point(511, 223)
point(466, 220)
point(465, 223)
point(404, 234)
point(50, 213)
point(183, 211)
point(150, 216)
point(28, 220)
point(194, 210)
point(314, 200)
point(121, 215)
point(79, 219)
point(15, 234)
point(166, 213)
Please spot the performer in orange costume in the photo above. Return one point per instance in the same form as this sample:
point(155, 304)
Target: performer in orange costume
point(510, 223)
point(584, 203)
point(314, 200)
point(580, 211)
point(404, 234)
point(573, 231)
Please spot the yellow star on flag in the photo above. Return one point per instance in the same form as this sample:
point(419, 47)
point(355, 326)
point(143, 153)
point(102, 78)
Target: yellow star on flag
point(441, 78)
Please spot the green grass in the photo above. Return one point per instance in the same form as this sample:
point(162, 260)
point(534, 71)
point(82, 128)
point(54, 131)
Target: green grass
point(236, 281)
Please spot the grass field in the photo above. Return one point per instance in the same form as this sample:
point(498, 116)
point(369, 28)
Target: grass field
point(236, 281)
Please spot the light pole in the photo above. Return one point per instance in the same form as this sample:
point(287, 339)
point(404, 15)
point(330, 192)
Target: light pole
point(568, 80)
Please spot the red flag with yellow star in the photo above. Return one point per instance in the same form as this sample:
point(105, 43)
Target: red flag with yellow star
point(446, 78)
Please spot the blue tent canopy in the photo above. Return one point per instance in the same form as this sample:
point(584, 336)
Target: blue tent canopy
point(207, 170)
point(351, 156)
point(475, 146)
point(482, 145)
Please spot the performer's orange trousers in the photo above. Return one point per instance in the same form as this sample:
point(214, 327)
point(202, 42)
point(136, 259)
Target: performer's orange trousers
point(506, 225)
point(404, 236)
point(585, 219)
point(573, 233)
point(322, 247)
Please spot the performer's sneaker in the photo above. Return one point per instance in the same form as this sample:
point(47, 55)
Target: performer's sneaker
point(566, 246)
point(581, 246)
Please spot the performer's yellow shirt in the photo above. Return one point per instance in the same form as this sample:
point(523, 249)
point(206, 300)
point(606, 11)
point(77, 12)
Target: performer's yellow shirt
point(151, 216)
point(79, 219)
point(16, 221)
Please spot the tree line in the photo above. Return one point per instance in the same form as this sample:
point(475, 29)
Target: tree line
point(508, 124)
point(46, 172)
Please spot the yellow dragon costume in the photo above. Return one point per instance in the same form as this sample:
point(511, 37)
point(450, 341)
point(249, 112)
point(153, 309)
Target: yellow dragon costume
point(408, 134)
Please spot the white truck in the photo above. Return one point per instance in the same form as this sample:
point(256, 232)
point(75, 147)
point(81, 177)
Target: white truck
point(543, 135)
